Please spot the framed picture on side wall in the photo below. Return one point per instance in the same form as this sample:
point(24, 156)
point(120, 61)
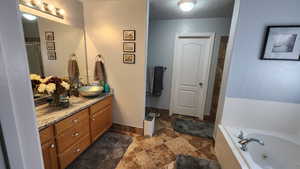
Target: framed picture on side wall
point(282, 43)
point(128, 58)
point(51, 54)
point(128, 46)
point(50, 45)
point(129, 35)
point(49, 36)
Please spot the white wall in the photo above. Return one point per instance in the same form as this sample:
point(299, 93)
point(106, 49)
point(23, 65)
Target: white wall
point(262, 94)
point(17, 115)
point(104, 23)
point(161, 50)
point(259, 114)
point(68, 40)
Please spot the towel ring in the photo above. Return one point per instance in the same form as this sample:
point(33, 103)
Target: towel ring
point(73, 56)
point(100, 58)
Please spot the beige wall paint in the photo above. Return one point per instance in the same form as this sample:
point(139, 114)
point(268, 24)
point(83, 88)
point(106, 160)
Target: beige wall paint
point(73, 12)
point(104, 23)
point(68, 40)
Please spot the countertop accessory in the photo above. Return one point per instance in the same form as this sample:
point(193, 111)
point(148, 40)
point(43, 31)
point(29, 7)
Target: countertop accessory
point(90, 91)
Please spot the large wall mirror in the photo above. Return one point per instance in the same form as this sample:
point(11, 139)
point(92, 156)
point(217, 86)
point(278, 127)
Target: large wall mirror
point(51, 45)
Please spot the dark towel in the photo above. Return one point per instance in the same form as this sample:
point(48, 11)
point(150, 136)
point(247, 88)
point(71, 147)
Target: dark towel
point(73, 71)
point(158, 81)
point(100, 73)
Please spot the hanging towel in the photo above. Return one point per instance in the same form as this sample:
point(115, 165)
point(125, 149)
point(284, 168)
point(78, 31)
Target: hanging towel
point(158, 81)
point(100, 73)
point(73, 71)
point(150, 75)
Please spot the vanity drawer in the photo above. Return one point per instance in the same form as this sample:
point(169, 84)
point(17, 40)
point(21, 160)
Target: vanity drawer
point(69, 122)
point(100, 122)
point(46, 134)
point(72, 135)
point(100, 105)
point(71, 153)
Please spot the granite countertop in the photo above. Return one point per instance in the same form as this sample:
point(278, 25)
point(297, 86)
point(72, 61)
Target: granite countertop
point(47, 115)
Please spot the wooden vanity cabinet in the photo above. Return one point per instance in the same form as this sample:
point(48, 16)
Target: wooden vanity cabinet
point(101, 121)
point(49, 148)
point(65, 140)
point(100, 118)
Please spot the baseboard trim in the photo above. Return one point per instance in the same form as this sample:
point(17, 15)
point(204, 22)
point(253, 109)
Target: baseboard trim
point(127, 129)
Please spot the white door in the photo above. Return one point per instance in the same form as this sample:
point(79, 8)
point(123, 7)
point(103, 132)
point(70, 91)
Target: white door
point(190, 74)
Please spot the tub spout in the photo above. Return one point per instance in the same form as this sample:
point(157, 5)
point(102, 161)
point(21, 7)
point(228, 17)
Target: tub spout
point(244, 142)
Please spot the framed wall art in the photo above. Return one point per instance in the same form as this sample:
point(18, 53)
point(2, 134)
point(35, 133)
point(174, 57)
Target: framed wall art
point(49, 36)
point(50, 45)
point(282, 43)
point(128, 46)
point(129, 35)
point(51, 55)
point(129, 58)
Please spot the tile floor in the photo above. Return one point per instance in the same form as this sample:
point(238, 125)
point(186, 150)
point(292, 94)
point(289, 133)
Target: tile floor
point(159, 152)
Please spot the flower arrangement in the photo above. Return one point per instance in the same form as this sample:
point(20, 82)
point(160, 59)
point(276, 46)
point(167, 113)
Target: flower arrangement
point(51, 85)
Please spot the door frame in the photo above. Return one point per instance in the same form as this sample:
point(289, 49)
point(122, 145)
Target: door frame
point(211, 36)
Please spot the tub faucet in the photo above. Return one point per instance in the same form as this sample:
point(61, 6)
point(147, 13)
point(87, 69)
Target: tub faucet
point(244, 142)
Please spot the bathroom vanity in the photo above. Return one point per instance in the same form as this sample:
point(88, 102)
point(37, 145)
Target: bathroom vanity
point(66, 133)
point(58, 50)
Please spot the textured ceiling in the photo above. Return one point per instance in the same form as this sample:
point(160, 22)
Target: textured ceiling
point(168, 9)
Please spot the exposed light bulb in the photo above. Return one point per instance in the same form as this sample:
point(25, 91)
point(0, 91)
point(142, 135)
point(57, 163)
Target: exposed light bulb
point(37, 3)
point(29, 17)
point(28, 2)
point(61, 11)
point(51, 7)
point(186, 5)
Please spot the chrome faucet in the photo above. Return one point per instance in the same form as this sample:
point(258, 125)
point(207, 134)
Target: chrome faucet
point(245, 141)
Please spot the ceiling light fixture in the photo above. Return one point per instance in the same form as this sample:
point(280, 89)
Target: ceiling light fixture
point(29, 17)
point(186, 5)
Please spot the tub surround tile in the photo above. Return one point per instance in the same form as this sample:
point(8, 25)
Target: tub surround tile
point(47, 115)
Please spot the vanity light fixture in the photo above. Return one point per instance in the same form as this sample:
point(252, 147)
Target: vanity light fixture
point(186, 5)
point(44, 7)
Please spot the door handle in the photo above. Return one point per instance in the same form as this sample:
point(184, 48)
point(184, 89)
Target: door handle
point(201, 84)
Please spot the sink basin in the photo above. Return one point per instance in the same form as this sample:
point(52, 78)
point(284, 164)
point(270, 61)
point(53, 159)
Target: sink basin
point(90, 91)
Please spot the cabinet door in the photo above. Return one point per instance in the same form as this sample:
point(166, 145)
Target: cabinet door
point(100, 122)
point(50, 155)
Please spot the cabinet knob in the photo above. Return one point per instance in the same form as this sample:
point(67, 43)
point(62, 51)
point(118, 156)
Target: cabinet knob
point(75, 121)
point(93, 119)
point(52, 146)
point(77, 150)
point(76, 134)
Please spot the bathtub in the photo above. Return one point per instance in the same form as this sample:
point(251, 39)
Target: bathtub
point(279, 152)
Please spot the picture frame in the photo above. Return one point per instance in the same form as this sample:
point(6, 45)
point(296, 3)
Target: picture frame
point(49, 36)
point(129, 58)
point(128, 46)
point(51, 55)
point(129, 35)
point(50, 45)
point(282, 42)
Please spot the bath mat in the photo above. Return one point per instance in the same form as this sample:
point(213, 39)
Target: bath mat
point(104, 153)
point(189, 162)
point(194, 128)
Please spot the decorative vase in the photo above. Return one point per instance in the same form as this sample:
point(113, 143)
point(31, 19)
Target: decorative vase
point(55, 100)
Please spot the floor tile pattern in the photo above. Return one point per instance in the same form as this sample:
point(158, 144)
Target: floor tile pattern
point(159, 152)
